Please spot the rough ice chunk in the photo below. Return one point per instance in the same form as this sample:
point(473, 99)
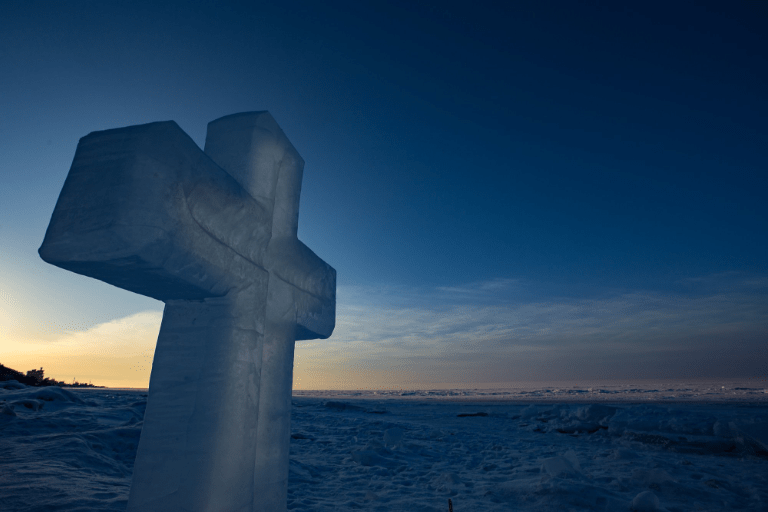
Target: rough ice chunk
point(646, 501)
point(563, 466)
point(393, 436)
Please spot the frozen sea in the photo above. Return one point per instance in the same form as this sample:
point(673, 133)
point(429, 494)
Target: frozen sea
point(669, 446)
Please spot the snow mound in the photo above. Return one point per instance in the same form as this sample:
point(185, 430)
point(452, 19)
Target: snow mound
point(12, 385)
point(645, 502)
point(447, 482)
point(596, 413)
point(28, 403)
point(28, 398)
point(56, 394)
point(564, 466)
point(393, 436)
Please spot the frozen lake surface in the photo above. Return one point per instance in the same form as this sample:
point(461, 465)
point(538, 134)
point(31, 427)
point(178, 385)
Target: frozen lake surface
point(619, 447)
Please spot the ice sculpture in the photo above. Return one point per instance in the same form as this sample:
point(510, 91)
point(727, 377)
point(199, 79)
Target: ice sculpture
point(213, 235)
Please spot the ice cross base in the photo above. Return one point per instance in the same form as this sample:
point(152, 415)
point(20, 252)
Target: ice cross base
point(213, 235)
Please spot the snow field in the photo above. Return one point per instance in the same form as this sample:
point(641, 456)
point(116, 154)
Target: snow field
point(73, 450)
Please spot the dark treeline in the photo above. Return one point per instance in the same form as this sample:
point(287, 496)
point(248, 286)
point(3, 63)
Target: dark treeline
point(37, 378)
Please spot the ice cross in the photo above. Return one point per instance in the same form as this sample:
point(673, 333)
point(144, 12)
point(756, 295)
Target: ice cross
point(213, 235)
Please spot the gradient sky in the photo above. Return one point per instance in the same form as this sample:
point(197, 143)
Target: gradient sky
point(548, 191)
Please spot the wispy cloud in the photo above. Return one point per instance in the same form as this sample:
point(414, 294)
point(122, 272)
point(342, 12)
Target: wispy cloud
point(479, 332)
point(114, 353)
point(381, 315)
point(400, 336)
point(480, 287)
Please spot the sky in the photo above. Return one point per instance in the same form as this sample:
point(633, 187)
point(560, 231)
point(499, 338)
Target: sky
point(540, 192)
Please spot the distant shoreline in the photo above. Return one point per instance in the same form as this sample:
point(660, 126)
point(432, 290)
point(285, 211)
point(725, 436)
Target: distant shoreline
point(689, 391)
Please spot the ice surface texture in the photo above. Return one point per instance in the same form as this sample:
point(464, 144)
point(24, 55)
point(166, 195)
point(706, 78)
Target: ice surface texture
point(77, 455)
point(213, 234)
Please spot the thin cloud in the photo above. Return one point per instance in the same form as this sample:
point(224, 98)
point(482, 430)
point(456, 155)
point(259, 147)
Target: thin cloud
point(481, 287)
point(114, 353)
point(381, 317)
point(401, 336)
point(418, 337)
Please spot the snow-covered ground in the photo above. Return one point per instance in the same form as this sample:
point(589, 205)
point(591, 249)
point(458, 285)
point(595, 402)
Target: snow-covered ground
point(675, 447)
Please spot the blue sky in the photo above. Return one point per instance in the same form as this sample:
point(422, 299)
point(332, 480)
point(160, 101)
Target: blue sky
point(544, 191)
